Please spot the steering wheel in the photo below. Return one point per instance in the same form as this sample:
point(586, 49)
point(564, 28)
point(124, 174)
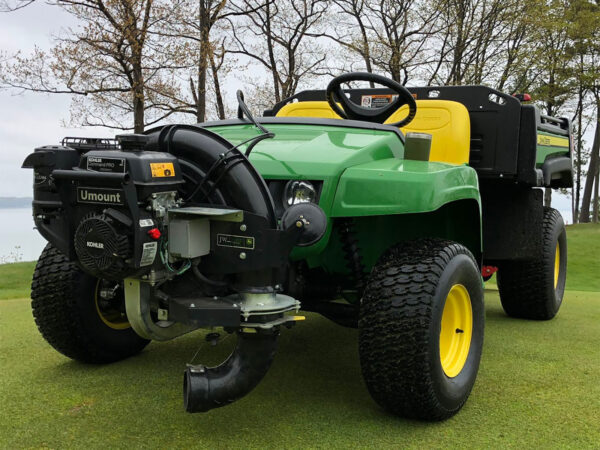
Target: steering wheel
point(351, 110)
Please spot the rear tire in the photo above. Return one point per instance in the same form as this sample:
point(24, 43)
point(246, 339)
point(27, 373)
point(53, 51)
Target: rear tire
point(417, 360)
point(66, 311)
point(534, 289)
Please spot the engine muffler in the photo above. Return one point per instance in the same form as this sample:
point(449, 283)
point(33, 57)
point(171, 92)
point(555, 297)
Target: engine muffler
point(206, 388)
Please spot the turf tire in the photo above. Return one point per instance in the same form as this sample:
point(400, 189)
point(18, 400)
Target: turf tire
point(527, 288)
point(65, 313)
point(400, 323)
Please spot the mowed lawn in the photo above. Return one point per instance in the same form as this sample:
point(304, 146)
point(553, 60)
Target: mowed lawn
point(538, 386)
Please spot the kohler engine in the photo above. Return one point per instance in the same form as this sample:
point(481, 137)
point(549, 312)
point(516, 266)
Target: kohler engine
point(186, 228)
point(107, 207)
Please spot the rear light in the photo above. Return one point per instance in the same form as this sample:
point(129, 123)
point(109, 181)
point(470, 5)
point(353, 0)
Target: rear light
point(522, 97)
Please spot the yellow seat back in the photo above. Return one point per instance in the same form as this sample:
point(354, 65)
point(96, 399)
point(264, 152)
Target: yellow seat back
point(318, 109)
point(448, 123)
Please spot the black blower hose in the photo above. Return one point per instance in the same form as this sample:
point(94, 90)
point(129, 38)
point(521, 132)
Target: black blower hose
point(206, 388)
point(240, 186)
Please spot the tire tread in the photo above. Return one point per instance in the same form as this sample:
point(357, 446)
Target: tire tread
point(54, 293)
point(523, 284)
point(394, 327)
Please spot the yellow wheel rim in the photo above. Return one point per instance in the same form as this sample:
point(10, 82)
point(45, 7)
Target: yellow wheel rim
point(556, 266)
point(112, 318)
point(456, 330)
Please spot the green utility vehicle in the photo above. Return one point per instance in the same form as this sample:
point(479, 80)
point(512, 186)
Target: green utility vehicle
point(377, 208)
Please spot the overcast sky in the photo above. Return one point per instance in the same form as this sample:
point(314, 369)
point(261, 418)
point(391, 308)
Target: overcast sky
point(31, 120)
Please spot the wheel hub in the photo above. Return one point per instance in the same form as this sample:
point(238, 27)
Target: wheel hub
point(109, 301)
point(556, 265)
point(456, 330)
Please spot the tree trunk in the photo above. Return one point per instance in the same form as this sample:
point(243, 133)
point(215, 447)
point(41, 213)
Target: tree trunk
point(138, 100)
point(596, 206)
point(584, 215)
point(366, 53)
point(577, 187)
point(548, 197)
point(574, 214)
point(205, 53)
point(271, 51)
point(201, 93)
point(218, 94)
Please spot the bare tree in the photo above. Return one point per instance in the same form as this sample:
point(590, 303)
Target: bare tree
point(274, 35)
point(110, 64)
point(474, 33)
point(197, 26)
point(348, 26)
point(10, 6)
point(386, 36)
point(593, 169)
point(583, 19)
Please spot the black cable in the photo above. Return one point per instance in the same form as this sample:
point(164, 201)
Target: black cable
point(227, 168)
point(242, 110)
point(221, 160)
point(262, 137)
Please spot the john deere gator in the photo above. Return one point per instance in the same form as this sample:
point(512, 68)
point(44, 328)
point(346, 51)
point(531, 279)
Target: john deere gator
point(377, 208)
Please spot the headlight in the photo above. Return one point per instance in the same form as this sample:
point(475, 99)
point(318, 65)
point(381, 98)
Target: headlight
point(299, 192)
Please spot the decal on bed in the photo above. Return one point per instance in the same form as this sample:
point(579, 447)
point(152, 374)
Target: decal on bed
point(552, 141)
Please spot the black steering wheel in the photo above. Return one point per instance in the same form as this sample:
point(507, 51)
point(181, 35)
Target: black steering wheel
point(351, 110)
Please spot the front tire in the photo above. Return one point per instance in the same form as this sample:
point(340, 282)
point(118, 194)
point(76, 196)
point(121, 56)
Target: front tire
point(534, 289)
point(421, 329)
point(72, 319)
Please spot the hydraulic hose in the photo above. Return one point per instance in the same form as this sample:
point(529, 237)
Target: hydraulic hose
point(206, 388)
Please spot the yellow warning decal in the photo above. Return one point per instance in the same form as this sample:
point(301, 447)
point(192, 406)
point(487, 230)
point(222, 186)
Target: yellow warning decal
point(161, 170)
point(552, 141)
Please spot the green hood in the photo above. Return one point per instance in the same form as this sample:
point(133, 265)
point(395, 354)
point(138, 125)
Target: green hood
point(313, 152)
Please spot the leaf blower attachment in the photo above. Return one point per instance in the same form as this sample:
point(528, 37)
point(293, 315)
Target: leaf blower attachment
point(144, 209)
point(206, 388)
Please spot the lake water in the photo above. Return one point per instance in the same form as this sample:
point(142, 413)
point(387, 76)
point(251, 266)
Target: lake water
point(18, 237)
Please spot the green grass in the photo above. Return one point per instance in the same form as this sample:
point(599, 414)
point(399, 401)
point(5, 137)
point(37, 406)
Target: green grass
point(15, 279)
point(583, 243)
point(537, 386)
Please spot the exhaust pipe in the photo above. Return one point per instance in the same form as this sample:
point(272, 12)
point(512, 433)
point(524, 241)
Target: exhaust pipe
point(206, 388)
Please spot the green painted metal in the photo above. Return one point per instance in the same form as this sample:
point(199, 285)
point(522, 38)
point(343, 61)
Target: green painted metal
point(549, 151)
point(365, 177)
point(391, 186)
point(457, 221)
